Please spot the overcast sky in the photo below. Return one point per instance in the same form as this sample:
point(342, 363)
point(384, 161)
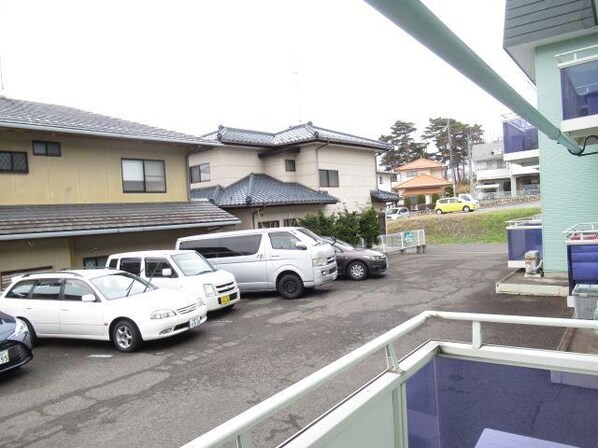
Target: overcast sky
point(261, 64)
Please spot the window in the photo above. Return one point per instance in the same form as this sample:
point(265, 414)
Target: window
point(132, 265)
point(233, 246)
point(154, 267)
point(579, 90)
point(284, 241)
point(113, 263)
point(291, 222)
point(328, 178)
point(143, 176)
point(47, 289)
point(519, 135)
point(200, 173)
point(75, 289)
point(95, 262)
point(21, 290)
point(7, 276)
point(289, 164)
point(268, 224)
point(410, 173)
point(380, 180)
point(13, 162)
point(50, 149)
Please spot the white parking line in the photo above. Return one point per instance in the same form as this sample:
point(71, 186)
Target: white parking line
point(100, 356)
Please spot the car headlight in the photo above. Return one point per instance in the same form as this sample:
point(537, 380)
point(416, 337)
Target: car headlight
point(374, 257)
point(321, 261)
point(200, 302)
point(162, 314)
point(19, 329)
point(209, 290)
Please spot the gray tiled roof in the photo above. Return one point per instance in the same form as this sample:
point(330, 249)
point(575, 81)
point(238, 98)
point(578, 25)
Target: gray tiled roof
point(39, 221)
point(302, 133)
point(30, 115)
point(384, 196)
point(259, 190)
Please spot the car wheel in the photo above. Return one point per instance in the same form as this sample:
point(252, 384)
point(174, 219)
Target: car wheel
point(290, 286)
point(357, 270)
point(125, 336)
point(32, 333)
point(439, 212)
point(466, 209)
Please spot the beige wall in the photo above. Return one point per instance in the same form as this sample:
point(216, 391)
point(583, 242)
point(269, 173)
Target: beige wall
point(89, 170)
point(227, 165)
point(31, 254)
point(59, 253)
point(275, 166)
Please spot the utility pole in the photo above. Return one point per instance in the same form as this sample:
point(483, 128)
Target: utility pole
point(470, 157)
point(450, 148)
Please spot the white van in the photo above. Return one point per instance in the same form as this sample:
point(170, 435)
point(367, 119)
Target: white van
point(184, 270)
point(286, 259)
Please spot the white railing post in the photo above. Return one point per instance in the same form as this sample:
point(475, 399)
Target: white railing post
point(244, 440)
point(392, 360)
point(476, 334)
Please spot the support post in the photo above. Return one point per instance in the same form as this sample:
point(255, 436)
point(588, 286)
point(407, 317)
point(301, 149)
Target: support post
point(476, 334)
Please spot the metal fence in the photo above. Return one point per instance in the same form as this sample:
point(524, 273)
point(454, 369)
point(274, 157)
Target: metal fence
point(403, 240)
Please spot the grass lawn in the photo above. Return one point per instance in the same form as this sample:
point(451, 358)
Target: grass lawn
point(486, 227)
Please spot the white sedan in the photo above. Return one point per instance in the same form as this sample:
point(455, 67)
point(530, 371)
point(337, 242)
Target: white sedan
point(102, 304)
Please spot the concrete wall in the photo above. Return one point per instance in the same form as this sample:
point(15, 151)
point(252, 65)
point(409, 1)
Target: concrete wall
point(275, 166)
point(569, 183)
point(89, 170)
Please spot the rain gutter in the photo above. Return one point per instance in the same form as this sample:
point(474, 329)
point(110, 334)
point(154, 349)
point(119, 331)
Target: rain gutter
point(418, 21)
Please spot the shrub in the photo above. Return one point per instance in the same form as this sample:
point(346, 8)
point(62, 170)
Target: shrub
point(435, 197)
point(346, 227)
point(369, 226)
point(421, 199)
point(407, 203)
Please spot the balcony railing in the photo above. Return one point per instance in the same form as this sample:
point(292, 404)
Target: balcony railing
point(445, 394)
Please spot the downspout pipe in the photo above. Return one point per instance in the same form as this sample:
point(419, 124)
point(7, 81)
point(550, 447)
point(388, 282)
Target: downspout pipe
point(418, 21)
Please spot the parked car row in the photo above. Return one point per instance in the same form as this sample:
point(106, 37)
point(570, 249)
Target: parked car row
point(146, 295)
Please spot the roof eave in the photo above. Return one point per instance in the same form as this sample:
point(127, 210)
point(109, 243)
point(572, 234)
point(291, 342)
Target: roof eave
point(33, 127)
point(58, 234)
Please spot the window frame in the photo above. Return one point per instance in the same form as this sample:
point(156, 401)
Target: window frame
point(12, 163)
point(45, 153)
point(199, 178)
point(288, 164)
point(328, 183)
point(145, 190)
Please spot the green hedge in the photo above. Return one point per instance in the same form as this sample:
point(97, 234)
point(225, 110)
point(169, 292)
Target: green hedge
point(345, 225)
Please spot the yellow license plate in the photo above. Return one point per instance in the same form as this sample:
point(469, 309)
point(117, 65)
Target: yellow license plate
point(224, 300)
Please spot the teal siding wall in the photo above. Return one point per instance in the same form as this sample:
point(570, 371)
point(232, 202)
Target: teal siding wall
point(569, 183)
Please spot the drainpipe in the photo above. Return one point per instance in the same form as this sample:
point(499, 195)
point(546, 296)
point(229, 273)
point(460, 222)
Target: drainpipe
point(418, 21)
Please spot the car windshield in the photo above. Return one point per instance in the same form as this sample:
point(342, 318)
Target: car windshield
point(193, 264)
point(315, 237)
point(392, 211)
point(344, 245)
point(120, 285)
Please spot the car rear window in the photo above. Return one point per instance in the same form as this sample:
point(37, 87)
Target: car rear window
point(21, 290)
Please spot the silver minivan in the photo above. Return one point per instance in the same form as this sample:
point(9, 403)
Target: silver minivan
point(286, 259)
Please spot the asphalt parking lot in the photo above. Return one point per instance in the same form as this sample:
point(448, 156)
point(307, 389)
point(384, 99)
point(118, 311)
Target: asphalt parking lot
point(86, 394)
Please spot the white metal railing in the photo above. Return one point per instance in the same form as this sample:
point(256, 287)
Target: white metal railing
point(239, 428)
point(527, 222)
point(402, 240)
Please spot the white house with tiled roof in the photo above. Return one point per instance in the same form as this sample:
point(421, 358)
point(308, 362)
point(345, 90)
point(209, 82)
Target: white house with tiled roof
point(420, 177)
point(325, 162)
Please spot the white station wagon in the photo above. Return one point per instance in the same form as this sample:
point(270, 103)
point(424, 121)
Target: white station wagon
point(102, 304)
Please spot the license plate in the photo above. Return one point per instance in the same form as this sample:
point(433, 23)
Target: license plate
point(4, 357)
point(224, 300)
point(194, 322)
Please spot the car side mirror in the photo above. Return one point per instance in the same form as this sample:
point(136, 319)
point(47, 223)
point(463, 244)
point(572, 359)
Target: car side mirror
point(166, 272)
point(88, 298)
point(300, 245)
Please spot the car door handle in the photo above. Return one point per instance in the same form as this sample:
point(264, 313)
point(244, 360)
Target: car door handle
point(275, 256)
